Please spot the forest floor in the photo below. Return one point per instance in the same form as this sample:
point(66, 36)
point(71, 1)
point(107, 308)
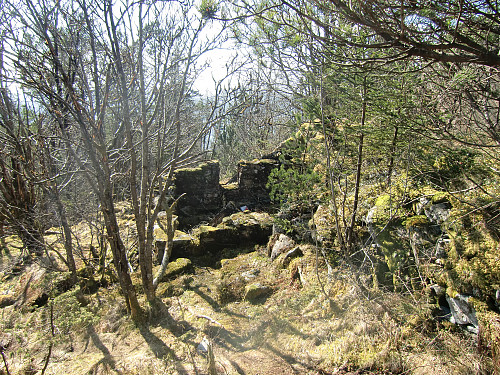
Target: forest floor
point(304, 322)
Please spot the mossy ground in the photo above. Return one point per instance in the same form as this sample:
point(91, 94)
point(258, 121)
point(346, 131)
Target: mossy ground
point(297, 329)
point(309, 323)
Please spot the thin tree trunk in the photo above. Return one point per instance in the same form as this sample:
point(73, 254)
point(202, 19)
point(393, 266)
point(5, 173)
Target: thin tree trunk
point(145, 238)
point(356, 194)
point(169, 245)
point(173, 165)
point(120, 257)
point(68, 243)
point(331, 180)
point(391, 157)
point(350, 229)
point(52, 334)
point(53, 190)
point(5, 361)
point(3, 244)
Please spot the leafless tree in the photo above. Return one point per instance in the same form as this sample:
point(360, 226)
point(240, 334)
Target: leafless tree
point(115, 80)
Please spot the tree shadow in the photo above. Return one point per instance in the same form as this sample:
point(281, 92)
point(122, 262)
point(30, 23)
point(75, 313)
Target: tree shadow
point(108, 362)
point(162, 318)
point(161, 350)
point(237, 367)
point(290, 359)
point(159, 313)
point(157, 346)
point(213, 303)
point(225, 338)
point(227, 311)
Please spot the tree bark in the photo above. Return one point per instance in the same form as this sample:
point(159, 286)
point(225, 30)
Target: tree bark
point(119, 256)
point(391, 156)
point(350, 230)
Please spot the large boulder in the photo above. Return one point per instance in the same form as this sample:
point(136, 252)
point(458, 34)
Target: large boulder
point(252, 227)
point(279, 244)
point(177, 267)
point(209, 238)
point(256, 291)
point(438, 213)
point(322, 225)
point(180, 245)
point(291, 254)
point(462, 312)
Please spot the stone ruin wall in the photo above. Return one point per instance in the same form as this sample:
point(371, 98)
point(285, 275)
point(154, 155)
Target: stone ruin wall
point(206, 200)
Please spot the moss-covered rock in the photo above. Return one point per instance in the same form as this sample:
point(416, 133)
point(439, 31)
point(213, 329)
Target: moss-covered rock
point(252, 227)
point(237, 230)
point(209, 238)
point(6, 300)
point(256, 291)
point(416, 221)
point(323, 222)
point(177, 267)
point(180, 245)
point(175, 287)
point(440, 197)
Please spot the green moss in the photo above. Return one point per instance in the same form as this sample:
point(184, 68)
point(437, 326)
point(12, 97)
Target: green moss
point(416, 221)
point(70, 315)
point(474, 260)
point(383, 201)
point(257, 162)
point(180, 265)
point(440, 197)
point(396, 254)
point(169, 289)
point(385, 209)
point(255, 291)
point(232, 186)
point(246, 219)
point(489, 324)
point(324, 222)
point(196, 169)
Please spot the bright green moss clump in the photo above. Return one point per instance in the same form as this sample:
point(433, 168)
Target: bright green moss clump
point(474, 252)
point(416, 221)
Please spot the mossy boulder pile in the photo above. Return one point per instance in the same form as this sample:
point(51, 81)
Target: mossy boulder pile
point(240, 229)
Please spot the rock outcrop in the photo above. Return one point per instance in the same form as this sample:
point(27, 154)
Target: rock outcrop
point(240, 229)
point(279, 244)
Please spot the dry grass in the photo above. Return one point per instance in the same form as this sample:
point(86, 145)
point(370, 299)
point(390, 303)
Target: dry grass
point(297, 330)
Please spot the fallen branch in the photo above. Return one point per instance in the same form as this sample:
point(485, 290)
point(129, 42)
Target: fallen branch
point(209, 319)
point(4, 361)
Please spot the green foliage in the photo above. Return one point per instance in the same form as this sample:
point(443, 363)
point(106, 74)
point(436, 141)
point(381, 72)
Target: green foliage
point(440, 197)
point(208, 8)
point(301, 161)
point(289, 184)
point(473, 253)
point(69, 315)
point(453, 163)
